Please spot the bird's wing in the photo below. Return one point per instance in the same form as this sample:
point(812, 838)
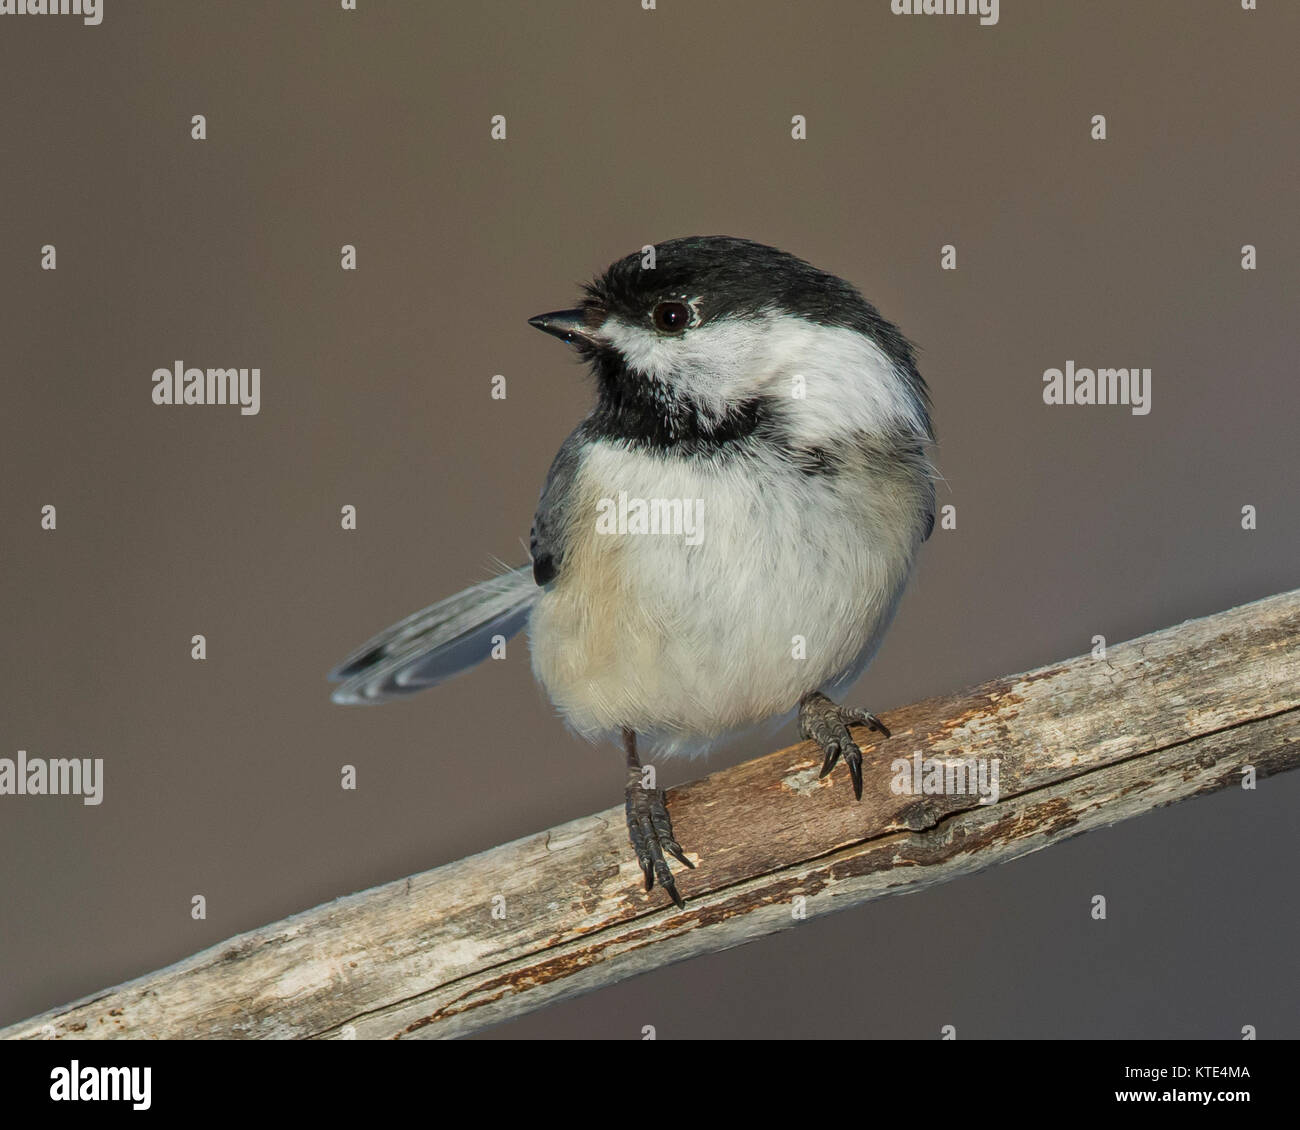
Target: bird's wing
point(546, 543)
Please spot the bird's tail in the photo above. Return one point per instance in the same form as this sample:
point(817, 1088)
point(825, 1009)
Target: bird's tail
point(437, 642)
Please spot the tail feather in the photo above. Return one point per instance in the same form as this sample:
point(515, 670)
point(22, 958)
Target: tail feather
point(437, 642)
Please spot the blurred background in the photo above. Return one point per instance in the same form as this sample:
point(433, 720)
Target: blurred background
point(624, 127)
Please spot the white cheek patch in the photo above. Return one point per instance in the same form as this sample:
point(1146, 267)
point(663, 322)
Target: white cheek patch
point(712, 365)
point(830, 381)
point(835, 382)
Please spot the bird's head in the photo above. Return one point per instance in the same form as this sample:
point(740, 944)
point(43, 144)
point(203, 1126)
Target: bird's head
point(712, 337)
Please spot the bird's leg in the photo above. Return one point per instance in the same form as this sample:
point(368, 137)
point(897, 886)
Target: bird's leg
point(649, 827)
point(821, 721)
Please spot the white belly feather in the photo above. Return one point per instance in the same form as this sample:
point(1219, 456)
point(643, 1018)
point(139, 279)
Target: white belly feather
point(787, 591)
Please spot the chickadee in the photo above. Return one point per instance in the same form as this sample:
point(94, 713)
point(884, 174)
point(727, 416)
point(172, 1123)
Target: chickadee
point(772, 400)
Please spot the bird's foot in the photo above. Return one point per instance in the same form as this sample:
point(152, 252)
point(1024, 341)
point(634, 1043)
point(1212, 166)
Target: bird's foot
point(821, 721)
point(651, 832)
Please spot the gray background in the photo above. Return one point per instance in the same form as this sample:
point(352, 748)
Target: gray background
point(625, 127)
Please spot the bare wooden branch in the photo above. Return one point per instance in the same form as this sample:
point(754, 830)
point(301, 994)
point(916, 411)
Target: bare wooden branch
point(1081, 745)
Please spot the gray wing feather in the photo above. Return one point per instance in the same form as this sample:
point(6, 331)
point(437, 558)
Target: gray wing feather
point(437, 642)
point(546, 543)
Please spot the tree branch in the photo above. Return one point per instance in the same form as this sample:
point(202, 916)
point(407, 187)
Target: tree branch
point(1081, 745)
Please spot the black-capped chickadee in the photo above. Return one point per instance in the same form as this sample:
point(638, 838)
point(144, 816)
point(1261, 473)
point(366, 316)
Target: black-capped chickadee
point(724, 540)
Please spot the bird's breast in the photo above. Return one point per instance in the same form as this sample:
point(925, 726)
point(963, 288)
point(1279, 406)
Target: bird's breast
point(701, 596)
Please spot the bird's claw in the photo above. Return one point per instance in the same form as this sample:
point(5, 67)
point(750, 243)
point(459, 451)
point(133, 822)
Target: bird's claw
point(823, 722)
point(651, 832)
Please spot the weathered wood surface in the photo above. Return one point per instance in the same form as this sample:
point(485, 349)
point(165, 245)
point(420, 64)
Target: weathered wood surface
point(1082, 744)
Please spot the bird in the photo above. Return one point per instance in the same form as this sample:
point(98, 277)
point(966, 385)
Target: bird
point(722, 542)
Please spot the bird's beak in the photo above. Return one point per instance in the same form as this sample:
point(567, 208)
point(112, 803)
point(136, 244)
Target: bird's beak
point(568, 325)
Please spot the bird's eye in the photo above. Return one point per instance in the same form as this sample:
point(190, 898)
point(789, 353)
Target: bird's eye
point(672, 317)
